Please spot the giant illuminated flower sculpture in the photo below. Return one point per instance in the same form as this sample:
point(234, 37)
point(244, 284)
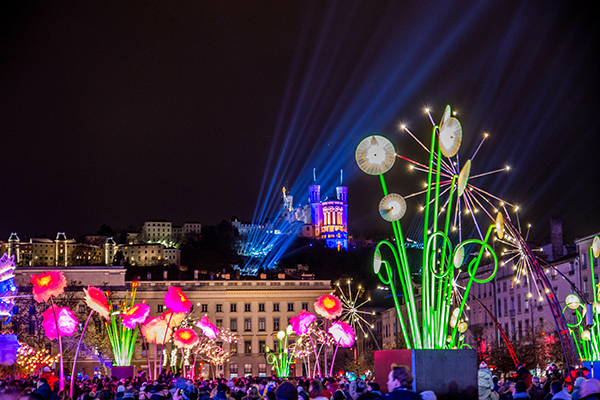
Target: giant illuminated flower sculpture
point(67, 322)
point(208, 329)
point(97, 301)
point(185, 338)
point(301, 322)
point(174, 319)
point(136, 314)
point(177, 301)
point(342, 333)
point(48, 284)
point(155, 330)
point(328, 306)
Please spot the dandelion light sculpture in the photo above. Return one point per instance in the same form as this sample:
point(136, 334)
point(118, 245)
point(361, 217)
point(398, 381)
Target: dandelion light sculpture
point(281, 360)
point(376, 155)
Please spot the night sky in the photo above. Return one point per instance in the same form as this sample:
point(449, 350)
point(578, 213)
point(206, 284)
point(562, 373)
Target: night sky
point(115, 113)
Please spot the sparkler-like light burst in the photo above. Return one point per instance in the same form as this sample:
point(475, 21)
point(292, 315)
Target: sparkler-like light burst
point(351, 312)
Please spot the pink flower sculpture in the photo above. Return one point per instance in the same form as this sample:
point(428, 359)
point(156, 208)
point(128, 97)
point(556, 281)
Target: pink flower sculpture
point(67, 322)
point(173, 319)
point(135, 314)
point(185, 338)
point(177, 301)
point(301, 322)
point(97, 301)
point(328, 306)
point(48, 284)
point(342, 333)
point(154, 330)
point(209, 330)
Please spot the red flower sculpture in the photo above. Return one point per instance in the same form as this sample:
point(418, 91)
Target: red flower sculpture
point(154, 330)
point(97, 301)
point(342, 333)
point(209, 330)
point(135, 314)
point(67, 322)
point(185, 338)
point(328, 306)
point(48, 284)
point(177, 301)
point(301, 322)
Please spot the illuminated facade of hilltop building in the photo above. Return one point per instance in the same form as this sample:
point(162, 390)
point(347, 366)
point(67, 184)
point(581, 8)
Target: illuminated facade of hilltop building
point(330, 217)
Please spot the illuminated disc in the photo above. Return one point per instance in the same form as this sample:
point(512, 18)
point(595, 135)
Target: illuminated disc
point(377, 261)
point(453, 321)
point(450, 137)
point(500, 226)
point(585, 335)
point(375, 155)
point(459, 257)
point(463, 177)
point(455, 312)
point(596, 246)
point(447, 115)
point(572, 301)
point(462, 327)
point(392, 207)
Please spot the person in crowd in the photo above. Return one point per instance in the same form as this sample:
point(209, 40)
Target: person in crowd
point(44, 390)
point(287, 391)
point(316, 390)
point(485, 383)
point(575, 395)
point(590, 390)
point(557, 392)
point(399, 384)
point(520, 391)
point(534, 389)
point(374, 387)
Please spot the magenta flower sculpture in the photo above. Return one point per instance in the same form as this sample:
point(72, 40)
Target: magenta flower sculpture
point(67, 322)
point(344, 336)
point(342, 333)
point(135, 314)
point(328, 306)
point(208, 329)
point(301, 322)
point(177, 301)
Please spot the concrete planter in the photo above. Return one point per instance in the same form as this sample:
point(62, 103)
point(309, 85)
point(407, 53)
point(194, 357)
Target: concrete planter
point(442, 371)
point(123, 372)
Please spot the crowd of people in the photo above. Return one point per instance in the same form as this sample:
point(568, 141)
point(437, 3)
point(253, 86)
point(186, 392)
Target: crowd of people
point(523, 385)
point(520, 385)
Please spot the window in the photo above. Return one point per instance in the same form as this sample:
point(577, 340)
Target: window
point(204, 308)
point(262, 370)
point(159, 308)
point(261, 346)
point(81, 308)
point(276, 324)
point(15, 309)
point(275, 307)
point(233, 349)
point(233, 324)
point(504, 286)
point(247, 347)
point(233, 307)
point(247, 307)
point(499, 307)
point(219, 308)
point(219, 323)
point(247, 369)
point(305, 306)
point(261, 324)
point(291, 307)
point(31, 310)
point(505, 306)
point(32, 328)
point(261, 307)
point(519, 303)
point(247, 324)
point(233, 369)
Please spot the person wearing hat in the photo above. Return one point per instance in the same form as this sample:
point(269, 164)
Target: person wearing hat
point(590, 390)
point(485, 383)
point(221, 393)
